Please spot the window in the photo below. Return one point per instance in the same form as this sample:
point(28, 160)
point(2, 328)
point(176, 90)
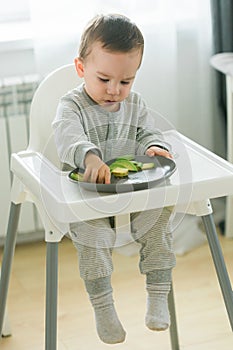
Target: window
point(15, 10)
point(14, 23)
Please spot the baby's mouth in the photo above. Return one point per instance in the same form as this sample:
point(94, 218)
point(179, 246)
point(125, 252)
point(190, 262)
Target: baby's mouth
point(110, 101)
point(111, 105)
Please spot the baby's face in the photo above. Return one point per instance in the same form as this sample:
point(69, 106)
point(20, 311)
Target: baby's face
point(109, 75)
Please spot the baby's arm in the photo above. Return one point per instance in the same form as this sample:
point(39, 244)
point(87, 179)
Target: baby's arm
point(96, 170)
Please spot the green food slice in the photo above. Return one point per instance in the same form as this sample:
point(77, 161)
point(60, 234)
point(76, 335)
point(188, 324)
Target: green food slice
point(77, 176)
point(123, 163)
point(120, 172)
point(139, 165)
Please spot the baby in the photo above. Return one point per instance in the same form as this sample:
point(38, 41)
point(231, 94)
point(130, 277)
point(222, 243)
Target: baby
point(100, 120)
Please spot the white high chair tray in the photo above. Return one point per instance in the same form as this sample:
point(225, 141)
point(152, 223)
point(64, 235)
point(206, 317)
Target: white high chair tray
point(200, 175)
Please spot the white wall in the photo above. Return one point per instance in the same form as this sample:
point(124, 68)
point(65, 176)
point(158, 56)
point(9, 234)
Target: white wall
point(17, 61)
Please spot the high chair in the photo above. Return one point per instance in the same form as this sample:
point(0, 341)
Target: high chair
point(200, 176)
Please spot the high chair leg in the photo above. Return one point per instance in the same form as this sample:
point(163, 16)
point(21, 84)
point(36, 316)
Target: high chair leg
point(51, 296)
point(220, 265)
point(173, 327)
point(8, 255)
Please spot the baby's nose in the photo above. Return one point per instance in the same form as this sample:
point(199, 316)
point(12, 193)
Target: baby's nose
point(113, 89)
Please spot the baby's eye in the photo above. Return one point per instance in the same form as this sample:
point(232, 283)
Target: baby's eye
point(125, 82)
point(103, 80)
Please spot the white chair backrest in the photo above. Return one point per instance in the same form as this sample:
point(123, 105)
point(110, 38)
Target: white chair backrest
point(43, 109)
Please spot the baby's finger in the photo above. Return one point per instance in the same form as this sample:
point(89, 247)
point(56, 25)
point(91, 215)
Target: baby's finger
point(150, 153)
point(107, 179)
point(104, 175)
point(86, 175)
point(94, 175)
point(166, 154)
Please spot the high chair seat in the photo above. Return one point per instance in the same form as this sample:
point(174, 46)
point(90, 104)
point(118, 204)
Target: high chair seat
point(200, 176)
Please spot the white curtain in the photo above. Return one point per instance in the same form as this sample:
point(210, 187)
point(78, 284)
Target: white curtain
point(175, 77)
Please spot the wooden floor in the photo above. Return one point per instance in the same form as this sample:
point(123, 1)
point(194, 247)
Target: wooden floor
point(202, 319)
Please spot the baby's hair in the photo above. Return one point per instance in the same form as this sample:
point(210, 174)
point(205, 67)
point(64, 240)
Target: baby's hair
point(115, 32)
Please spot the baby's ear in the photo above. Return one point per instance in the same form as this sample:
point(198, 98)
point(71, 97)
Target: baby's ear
point(79, 66)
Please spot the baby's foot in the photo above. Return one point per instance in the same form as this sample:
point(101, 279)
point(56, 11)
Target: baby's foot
point(108, 326)
point(157, 315)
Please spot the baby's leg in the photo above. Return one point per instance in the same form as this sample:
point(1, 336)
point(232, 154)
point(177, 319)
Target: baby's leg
point(94, 241)
point(152, 230)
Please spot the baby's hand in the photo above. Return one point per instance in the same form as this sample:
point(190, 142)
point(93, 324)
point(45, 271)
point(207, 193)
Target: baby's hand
point(96, 170)
point(157, 151)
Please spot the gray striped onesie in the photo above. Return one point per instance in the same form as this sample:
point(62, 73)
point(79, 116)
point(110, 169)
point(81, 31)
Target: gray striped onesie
point(80, 126)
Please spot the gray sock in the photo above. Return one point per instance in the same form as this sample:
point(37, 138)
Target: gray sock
point(108, 326)
point(158, 284)
point(157, 314)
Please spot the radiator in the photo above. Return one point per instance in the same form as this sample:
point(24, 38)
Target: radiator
point(15, 100)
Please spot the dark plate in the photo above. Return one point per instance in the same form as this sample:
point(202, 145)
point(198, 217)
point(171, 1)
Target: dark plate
point(141, 180)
